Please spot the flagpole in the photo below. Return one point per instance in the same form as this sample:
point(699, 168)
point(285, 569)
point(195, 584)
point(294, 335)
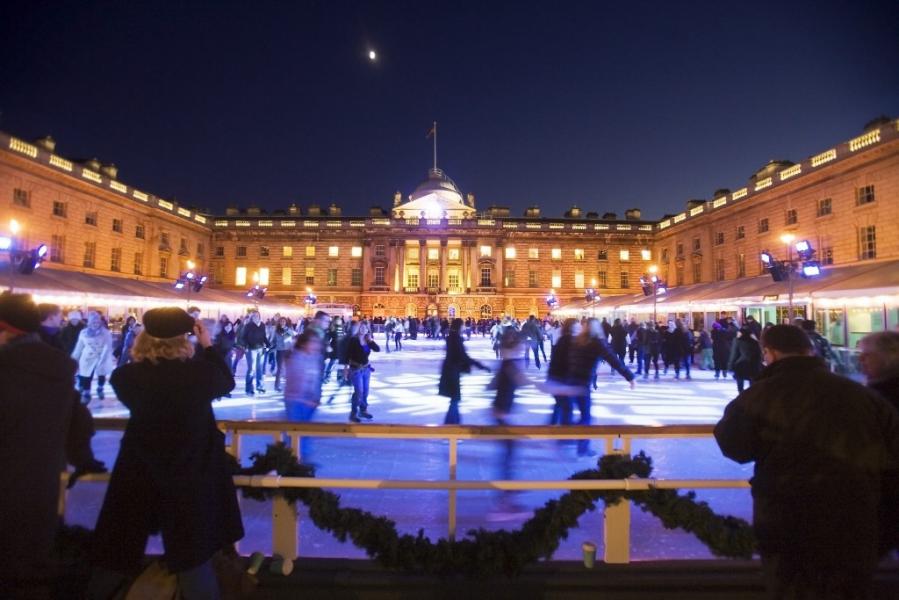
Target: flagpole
point(435, 145)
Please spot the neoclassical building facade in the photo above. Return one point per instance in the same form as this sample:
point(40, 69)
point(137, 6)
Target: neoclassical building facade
point(434, 251)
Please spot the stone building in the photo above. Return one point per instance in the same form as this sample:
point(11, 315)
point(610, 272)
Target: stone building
point(436, 251)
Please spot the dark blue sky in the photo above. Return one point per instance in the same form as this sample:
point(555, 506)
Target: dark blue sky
point(606, 105)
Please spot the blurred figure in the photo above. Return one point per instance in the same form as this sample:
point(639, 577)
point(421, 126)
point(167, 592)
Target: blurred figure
point(509, 377)
point(224, 342)
point(619, 339)
point(557, 373)
point(93, 352)
point(679, 349)
point(745, 358)
point(282, 342)
point(879, 361)
point(332, 340)
point(42, 426)
point(721, 343)
point(706, 353)
point(172, 473)
point(823, 349)
point(652, 341)
point(128, 343)
point(71, 330)
point(820, 443)
point(533, 338)
point(456, 362)
point(126, 327)
point(51, 325)
point(359, 347)
point(584, 357)
point(303, 383)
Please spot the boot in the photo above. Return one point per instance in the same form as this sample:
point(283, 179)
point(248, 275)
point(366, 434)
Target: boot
point(354, 418)
point(100, 394)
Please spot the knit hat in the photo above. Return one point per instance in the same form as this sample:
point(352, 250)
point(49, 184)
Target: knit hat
point(18, 314)
point(167, 322)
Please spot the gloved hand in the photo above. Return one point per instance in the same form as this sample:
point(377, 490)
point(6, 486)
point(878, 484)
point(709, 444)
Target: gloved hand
point(95, 466)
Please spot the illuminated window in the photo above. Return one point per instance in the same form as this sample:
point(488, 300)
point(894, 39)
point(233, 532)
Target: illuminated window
point(286, 251)
point(453, 279)
point(333, 251)
point(510, 252)
point(485, 277)
point(286, 276)
point(533, 279)
point(379, 251)
point(356, 252)
point(139, 263)
point(412, 279)
point(646, 254)
point(433, 253)
point(487, 251)
point(579, 280)
point(534, 253)
point(310, 275)
point(332, 277)
point(240, 276)
point(263, 276)
point(379, 276)
point(433, 279)
point(624, 255)
point(557, 278)
point(556, 254)
point(453, 254)
point(603, 279)
point(578, 254)
point(310, 251)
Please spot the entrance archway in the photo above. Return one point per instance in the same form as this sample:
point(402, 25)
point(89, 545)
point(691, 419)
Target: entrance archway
point(486, 311)
point(451, 311)
point(433, 311)
point(378, 310)
point(411, 310)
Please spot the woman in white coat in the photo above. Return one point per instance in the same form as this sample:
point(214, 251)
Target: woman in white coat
point(93, 353)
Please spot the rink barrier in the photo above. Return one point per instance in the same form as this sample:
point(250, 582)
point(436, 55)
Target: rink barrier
point(617, 439)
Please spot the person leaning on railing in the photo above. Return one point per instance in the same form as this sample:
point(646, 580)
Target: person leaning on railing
point(172, 474)
point(821, 445)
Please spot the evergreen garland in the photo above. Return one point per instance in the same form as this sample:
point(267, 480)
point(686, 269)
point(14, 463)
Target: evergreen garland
point(485, 553)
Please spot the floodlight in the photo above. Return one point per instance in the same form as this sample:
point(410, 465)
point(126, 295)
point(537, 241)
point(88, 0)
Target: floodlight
point(811, 269)
point(5, 243)
point(179, 285)
point(766, 257)
point(42, 251)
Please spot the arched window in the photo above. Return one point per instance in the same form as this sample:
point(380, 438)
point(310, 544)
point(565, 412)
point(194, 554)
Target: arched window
point(486, 311)
point(451, 311)
point(411, 310)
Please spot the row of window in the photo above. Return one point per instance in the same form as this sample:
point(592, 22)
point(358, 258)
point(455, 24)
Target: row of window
point(262, 276)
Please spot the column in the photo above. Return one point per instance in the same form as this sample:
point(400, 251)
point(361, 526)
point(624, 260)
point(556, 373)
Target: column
point(422, 265)
point(443, 282)
point(474, 271)
point(366, 265)
point(498, 249)
point(400, 281)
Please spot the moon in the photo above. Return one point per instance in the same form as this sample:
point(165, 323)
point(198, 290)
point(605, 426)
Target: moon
point(372, 55)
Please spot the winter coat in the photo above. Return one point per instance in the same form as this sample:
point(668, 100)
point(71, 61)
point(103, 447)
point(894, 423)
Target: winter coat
point(677, 345)
point(42, 423)
point(69, 336)
point(172, 473)
point(282, 341)
point(252, 336)
point(94, 353)
point(721, 343)
point(820, 443)
point(456, 362)
point(224, 342)
point(745, 358)
point(357, 353)
point(619, 339)
point(583, 357)
point(889, 505)
point(303, 378)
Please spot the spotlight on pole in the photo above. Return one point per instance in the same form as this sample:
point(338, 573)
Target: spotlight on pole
point(766, 257)
point(29, 260)
point(257, 292)
point(811, 268)
point(551, 300)
point(5, 243)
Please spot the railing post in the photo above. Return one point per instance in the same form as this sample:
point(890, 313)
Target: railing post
point(284, 527)
point(453, 461)
point(616, 532)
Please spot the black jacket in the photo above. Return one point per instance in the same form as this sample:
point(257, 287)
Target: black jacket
point(583, 358)
point(172, 473)
point(357, 354)
point(456, 362)
point(820, 443)
point(252, 336)
point(42, 426)
point(745, 358)
point(619, 338)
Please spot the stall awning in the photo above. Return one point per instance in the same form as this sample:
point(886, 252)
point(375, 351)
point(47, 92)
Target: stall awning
point(66, 287)
point(857, 281)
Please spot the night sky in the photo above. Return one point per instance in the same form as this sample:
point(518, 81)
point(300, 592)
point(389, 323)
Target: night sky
point(607, 105)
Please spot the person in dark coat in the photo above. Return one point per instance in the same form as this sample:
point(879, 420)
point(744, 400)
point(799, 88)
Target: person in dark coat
point(584, 355)
point(745, 358)
point(721, 343)
point(360, 345)
point(36, 399)
point(557, 372)
point(879, 361)
point(652, 347)
point(679, 348)
point(456, 362)
point(619, 339)
point(51, 322)
point(71, 330)
point(172, 474)
point(820, 443)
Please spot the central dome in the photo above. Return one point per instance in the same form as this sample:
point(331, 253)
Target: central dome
point(437, 183)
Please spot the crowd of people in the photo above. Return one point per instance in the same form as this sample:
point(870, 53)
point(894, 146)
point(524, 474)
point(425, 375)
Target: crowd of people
point(826, 449)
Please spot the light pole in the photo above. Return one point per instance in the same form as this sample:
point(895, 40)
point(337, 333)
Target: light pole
point(787, 269)
point(310, 301)
point(652, 284)
point(190, 280)
point(551, 300)
point(591, 296)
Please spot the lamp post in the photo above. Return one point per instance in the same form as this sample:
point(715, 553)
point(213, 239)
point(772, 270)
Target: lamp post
point(591, 296)
point(805, 266)
point(551, 300)
point(190, 280)
point(653, 285)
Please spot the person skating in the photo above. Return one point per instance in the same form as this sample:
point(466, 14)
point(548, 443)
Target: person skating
point(253, 340)
point(359, 347)
point(93, 352)
point(745, 358)
point(456, 362)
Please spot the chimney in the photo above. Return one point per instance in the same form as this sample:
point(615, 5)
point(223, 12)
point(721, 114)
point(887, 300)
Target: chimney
point(93, 164)
point(334, 210)
point(573, 213)
point(254, 211)
point(610, 216)
point(110, 170)
point(293, 210)
point(47, 143)
point(532, 212)
point(691, 204)
point(314, 210)
point(632, 214)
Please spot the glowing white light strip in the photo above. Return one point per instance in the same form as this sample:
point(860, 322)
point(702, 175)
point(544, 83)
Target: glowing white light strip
point(719, 202)
point(872, 137)
point(165, 204)
point(118, 187)
point(791, 172)
point(766, 182)
point(740, 193)
point(288, 223)
point(199, 218)
point(93, 176)
point(696, 210)
point(61, 163)
point(23, 147)
point(140, 195)
point(183, 212)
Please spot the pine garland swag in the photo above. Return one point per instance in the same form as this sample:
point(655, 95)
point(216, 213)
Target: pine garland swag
point(484, 553)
